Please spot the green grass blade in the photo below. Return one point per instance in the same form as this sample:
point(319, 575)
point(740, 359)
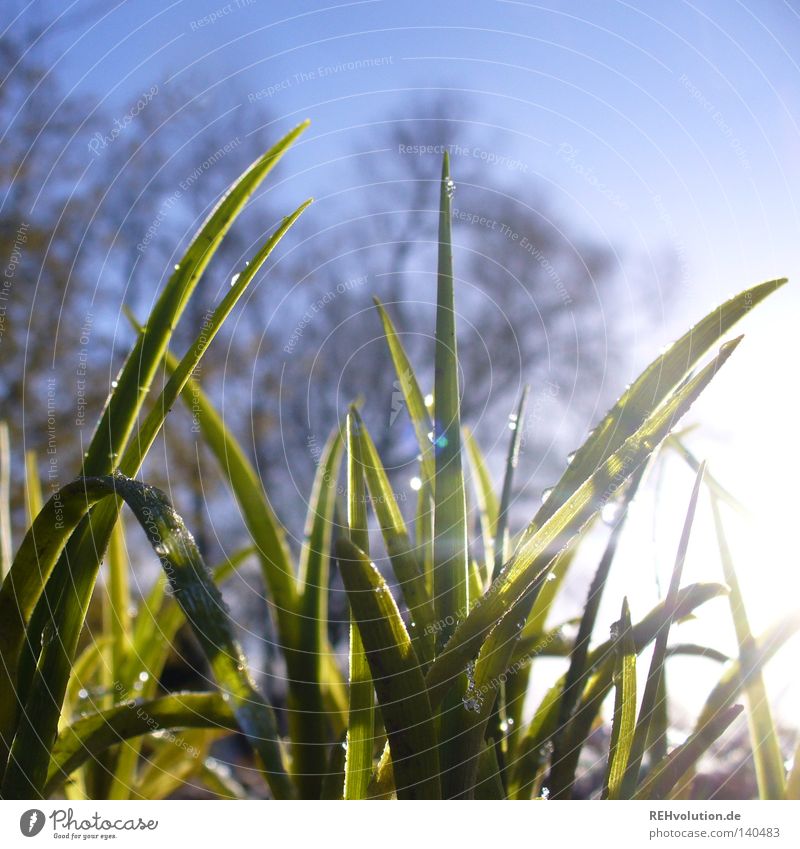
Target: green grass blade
point(361, 714)
point(135, 379)
point(398, 679)
point(656, 671)
point(649, 390)
point(262, 524)
point(624, 723)
point(667, 774)
point(409, 386)
point(118, 601)
point(92, 735)
point(793, 781)
point(33, 487)
point(146, 435)
point(516, 425)
point(524, 569)
point(737, 676)
point(577, 672)
point(157, 623)
point(489, 784)
point(308, 724)
point(767, 755)
point(6, 543)
point(486, 498)
point(399, 545)
point(450, 577)
point(450, 551)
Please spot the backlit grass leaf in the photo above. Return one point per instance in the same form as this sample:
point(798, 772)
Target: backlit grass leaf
point(399, 683)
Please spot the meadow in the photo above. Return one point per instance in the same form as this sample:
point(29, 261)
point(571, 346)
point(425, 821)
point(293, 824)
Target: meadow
point(442, 652)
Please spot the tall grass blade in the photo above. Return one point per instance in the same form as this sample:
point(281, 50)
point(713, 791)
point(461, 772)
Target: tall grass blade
point(6, 543)
point(486, 498)
point(577, 672)
point(767, 755)
point(399, 683)
point(450, 552)
point(414, 400)
point(666, 775)
point(516, 425)
point(399, 545)
point(624, 723)
point(92, 735)
point(33, 487)
point(361, 715)
point(308, 722)
point(656, 671)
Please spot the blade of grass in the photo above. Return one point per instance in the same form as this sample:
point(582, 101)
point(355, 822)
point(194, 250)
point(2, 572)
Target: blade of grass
point(767, 755)
point(450, 553)
point(647, 392)
point(133, 383)
point(398, 543)
point(307, 718)
point(577, 672)
point(398, 679)
point(33, 487)
point(516, 425)
point(87, 738)
point(6, 544)
point(669, 772)
point(656, 671)
point(488, 505)
point(737, 676)
point(361, 716)
point(793, 781)
point(624, 723)
point(415, 403)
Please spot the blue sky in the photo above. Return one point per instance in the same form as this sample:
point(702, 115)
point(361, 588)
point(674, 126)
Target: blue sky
point(657, 127)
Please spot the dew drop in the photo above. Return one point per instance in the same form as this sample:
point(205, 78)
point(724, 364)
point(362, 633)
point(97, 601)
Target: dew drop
point(114, 384)
point(429, 400)
point(160, 549)
point(546, 494)
point(551, 576)
point(234, 279)
point(571, 456)
point(415, 483)
point(450, 187)
point(504, 727)
point(177, 267)
point(144, 676)
point(83, 694)
point(431, 435)
point(545, 793)
point(611, 513)
point(344, 745)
